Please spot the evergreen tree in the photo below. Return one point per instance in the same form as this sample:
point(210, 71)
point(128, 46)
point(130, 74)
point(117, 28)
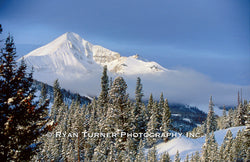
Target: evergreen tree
point(58, 97)
point(213, 148)
point(103, 97)
point(177, 157)
point(111, 82)
point(237, 147)
point(230, 118)
point(211, 121)
point(117, 119)
point(165, 157)
point(240, 115)
point(209, 149)
point(165, 119)
point(152, 128)
point(224, 117)
point(80, 128)
point(112, 156)
point(140, 155)
point(205, 149)
point(22, 122)
point(58, 100)
point(122, 156)
point(44, 94)
point(138, 92)
point(130, 150)
point(226, 147)
point(192, 158)
point(247, 134)
point(150, 106)
point(152, 155)
point(196, 157)
point(187, 158)
point(160, 110)
point(98, 155)
point(138, 113)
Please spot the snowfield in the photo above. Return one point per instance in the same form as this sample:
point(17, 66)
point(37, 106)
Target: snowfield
point(189, 146)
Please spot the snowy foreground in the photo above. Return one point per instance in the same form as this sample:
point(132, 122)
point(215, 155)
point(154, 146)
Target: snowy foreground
point(189, 146)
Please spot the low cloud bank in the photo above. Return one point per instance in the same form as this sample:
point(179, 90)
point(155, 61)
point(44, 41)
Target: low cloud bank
point(181, 86)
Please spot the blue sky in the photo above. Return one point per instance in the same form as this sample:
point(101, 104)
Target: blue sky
point(209, 36)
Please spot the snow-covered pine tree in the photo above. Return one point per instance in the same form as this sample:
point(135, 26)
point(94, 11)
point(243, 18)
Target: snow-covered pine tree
point(44, 94)
point(237, 146)
point(62, 114)
point(165, 157)
point(165, 119)
point(103, 97)
point(159, 111)
point(99, 154)
point(58, 100)
point(140, 152)
point(21, 120)
point(247, 134)
point(224, 118)
point(220, 152)
point(58, 149)
point(177, 157)
point(192, 158)
point(93, 123)
point(131, 149)
point(187, 158)
point(66, 147)
point(152, 128)
point(196, 157)
point(222, 121)
point(240, 115)
point(112, 155)
point(117, 119)
point(150, 106)
point(110, 82)
point(79, 114)
point(139, 112)
point(211, 124)
point(230, 118)
point(213, 148)
point(205, 149)
point(58, 97)
point(138, 92)
point(227, 146)
point(151, 157)
point(123, 156)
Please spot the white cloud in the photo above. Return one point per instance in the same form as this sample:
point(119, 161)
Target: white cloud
point(182, 86)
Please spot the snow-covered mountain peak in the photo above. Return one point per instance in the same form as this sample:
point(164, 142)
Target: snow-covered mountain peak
point(71, 52)
point(72, 36)
point(69, 55)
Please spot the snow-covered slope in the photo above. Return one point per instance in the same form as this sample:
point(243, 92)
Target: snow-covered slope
point(132, 66)
point(189, 146)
